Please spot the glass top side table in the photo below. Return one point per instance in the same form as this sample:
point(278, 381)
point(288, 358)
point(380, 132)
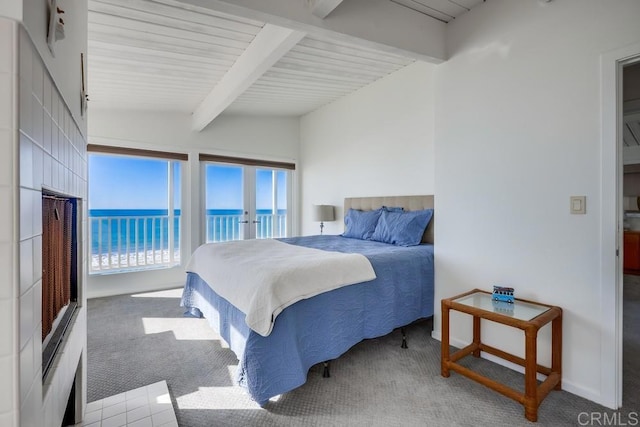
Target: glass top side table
point(518, 310)
point(526, 315)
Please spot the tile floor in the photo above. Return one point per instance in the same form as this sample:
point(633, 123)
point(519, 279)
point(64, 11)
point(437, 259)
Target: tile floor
point(148, 406)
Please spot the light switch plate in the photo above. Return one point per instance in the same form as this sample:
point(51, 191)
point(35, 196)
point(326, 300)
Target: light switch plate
point(578, 205)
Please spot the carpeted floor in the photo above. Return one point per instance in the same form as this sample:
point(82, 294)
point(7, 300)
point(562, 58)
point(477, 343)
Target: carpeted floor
point(135, 340)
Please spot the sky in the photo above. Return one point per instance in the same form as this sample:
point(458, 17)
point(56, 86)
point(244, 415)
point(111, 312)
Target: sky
point(225, 183)
point(119, 182)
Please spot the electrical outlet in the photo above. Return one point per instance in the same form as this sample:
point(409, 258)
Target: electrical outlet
point(578, 205)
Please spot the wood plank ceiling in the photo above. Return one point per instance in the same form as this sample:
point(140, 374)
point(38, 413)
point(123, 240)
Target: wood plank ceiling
point(149, 55)
point(442, 10)
point(314, 73)
point(166, 55)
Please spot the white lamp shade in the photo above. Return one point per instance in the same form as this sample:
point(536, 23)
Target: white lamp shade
point(323, 213)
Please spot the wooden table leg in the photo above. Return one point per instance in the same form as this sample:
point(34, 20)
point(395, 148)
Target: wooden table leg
point(476, 335)
point(556, 349)
point(530, 382)
point(445, 341)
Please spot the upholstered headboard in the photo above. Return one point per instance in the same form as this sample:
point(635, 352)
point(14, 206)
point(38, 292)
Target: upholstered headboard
point(409, 203)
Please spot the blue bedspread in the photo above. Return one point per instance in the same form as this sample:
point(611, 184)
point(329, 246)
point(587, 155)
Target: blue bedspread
point(325, 326)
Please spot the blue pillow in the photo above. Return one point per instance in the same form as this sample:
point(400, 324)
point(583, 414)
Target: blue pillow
point(361, 224)
point(402, 228)
point(393, 209)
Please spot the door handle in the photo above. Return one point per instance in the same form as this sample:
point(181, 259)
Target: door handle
point(256, 222)
point(243, 222)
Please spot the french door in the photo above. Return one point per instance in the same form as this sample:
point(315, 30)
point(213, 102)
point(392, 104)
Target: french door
point(246, 202)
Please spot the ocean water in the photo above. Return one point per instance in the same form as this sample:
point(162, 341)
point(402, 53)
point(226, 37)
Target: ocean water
point(141, 230)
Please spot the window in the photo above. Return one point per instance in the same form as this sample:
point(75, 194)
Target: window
point(246, 199)
point(271, 203)
point(134, 210)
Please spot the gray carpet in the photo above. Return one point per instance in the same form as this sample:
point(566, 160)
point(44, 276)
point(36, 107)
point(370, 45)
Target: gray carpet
point(137, 340)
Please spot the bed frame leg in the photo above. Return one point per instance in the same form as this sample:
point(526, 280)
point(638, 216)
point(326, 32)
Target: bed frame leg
point(404, 339)
point(325, 372)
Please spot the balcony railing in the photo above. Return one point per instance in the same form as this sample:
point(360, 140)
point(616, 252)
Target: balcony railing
point(223, 228)
point(120, 243)
point(137, 242)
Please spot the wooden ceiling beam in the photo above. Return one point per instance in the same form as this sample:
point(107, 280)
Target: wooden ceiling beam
point(269, 45)
point(380, 25)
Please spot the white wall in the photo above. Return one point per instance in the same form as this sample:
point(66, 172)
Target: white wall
point(11, 9)
point(273, 138)
point(377, 141)
point(517, 133)
point(9, 294)
point(269, 138)
point(65, 66)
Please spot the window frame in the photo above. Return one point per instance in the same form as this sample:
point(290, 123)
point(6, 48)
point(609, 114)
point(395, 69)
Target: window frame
point(171, 158)
point(250, 166)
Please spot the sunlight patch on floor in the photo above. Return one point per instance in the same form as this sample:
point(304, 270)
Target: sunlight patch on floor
point(182, 329)
point(229, 397)
point(217, 398)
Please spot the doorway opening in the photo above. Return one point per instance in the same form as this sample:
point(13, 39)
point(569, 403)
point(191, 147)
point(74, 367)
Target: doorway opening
point(630, 305)
point(612, 223)
point(246, 202)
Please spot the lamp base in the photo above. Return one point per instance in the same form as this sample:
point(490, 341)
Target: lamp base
point(321, 226)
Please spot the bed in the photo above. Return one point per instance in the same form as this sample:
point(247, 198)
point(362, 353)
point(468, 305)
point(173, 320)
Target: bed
point(323, 327)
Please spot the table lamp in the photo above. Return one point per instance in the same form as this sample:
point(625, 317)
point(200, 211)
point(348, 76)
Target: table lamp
point(323, 213)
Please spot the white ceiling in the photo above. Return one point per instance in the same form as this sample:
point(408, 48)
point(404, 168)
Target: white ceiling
point(313, 73)
point(442, 10)
point(147, 55)
point(172, 55)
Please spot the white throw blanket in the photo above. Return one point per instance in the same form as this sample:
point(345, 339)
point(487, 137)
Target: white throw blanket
point(262, 277)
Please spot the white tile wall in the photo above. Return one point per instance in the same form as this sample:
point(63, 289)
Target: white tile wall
point(26, 214)
point(37, 77)
point(27, 316)
point(40, 144)
point(7, 41)
point(27, 370)
point(6, 318)
point(6, 214)
point(36, 218)
point(52, 153)
point(37, 317)
point(6, 279)
point(6, 162)
point(37, 257)
point(48, 412)
point(37, 116)
point(6, 387)
point(6, 419)
point(26, 162)
point(26, 265)
point(6, 108)
point(8, 246)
